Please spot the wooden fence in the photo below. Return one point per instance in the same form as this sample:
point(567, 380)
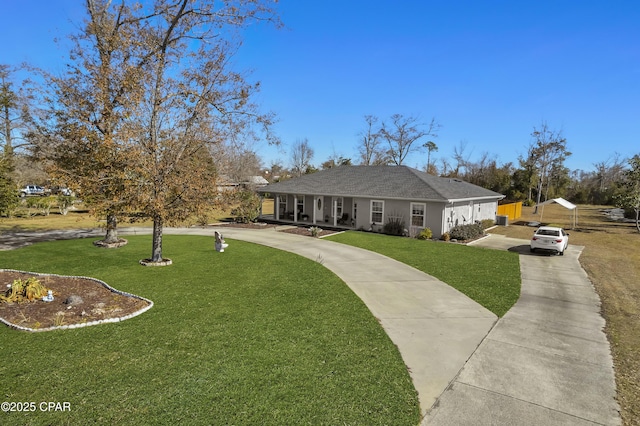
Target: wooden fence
point(513, 210)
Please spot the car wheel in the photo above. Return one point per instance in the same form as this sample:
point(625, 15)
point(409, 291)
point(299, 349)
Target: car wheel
point(532, 250)
point(561, 253)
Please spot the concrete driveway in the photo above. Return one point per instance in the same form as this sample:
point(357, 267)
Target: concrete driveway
point(547, 361)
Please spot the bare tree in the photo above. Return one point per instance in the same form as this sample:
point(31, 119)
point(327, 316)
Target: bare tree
point(609, 171)
point(445, 168)
point(301, 156)
point(402, 133)
point(461, 159)
point(548, 153)
point(370, 147)
point(193, 99)
point(155, 90)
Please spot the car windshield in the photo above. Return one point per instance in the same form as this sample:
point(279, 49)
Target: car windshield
point(549, 232)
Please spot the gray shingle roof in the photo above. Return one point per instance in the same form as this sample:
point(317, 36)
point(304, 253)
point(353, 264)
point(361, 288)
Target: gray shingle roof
point(390, 182)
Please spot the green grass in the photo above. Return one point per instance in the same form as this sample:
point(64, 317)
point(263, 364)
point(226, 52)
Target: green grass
point(250, 336)
point(490, 277)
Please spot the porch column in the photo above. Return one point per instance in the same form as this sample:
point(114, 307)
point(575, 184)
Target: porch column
point(315, 209)
point(335, 213)
point(276, 207)
point(295, 209)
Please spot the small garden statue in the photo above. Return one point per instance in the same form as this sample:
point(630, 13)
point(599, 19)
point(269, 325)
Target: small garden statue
point(220, 244)
point(48, 297)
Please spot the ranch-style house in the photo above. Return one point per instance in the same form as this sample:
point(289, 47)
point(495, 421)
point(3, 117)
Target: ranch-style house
point(367, 197)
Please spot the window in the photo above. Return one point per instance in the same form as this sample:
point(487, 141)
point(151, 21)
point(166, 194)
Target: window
point(283, 202)
point(300, 203)
point(338, 202)
point(417, 215)
point(377, 211)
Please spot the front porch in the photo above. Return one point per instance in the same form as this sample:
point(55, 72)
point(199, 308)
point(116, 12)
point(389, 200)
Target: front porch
point(318, 210)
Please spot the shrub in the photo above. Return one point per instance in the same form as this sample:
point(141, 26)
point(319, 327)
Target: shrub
point(425, 234)
point(64, 204)
point(394, 226)
point(9, 200)
point(248, 209)
point(40, 204)
point(27, 290)
point(315, 231)
point(445, 237)
point(467, 232)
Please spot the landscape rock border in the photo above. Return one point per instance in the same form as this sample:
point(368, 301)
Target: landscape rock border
point(84, 324)
point(149, 262)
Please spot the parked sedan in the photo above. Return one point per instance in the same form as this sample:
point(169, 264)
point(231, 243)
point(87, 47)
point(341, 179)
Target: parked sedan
point(550, 238)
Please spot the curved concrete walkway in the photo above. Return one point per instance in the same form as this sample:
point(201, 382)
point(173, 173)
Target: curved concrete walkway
point(435, 327)
point(546, 362)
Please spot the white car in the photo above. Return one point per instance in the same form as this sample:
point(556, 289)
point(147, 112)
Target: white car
point(550, 238)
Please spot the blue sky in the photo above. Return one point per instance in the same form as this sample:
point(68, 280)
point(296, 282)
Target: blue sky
point(488, 72)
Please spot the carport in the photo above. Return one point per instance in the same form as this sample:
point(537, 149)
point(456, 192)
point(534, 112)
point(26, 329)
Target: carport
point(566, 204)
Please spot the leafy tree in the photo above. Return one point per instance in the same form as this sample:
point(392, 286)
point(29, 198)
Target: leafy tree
point(402, 133)
point(430, 146)
point(85, 134)
point(9, 198)
point(335, 162)
point(526, 177)
point(14, 104)
point(248, 208)
point(629, 195)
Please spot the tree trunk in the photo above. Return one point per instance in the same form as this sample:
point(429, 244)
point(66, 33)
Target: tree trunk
point(112, 229)
point(156, 255)
point(535, 210)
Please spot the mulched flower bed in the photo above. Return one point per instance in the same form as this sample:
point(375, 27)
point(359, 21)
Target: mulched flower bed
point(304, 230)
point(99, 303)
point(256, 225)
point(298, 230)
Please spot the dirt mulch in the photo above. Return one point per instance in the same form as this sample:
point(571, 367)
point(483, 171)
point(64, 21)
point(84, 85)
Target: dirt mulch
point(253, 225)
point(98, 302)
point(298, 230)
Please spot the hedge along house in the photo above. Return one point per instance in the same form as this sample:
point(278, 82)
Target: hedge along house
point(368, 197)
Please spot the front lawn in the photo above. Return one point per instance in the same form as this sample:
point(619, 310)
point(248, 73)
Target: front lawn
point(490, 277)
point(250, 336)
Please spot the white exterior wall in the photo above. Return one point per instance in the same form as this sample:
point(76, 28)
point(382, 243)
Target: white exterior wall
point(488, 210)
point(467, 212)
point(440, 217)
